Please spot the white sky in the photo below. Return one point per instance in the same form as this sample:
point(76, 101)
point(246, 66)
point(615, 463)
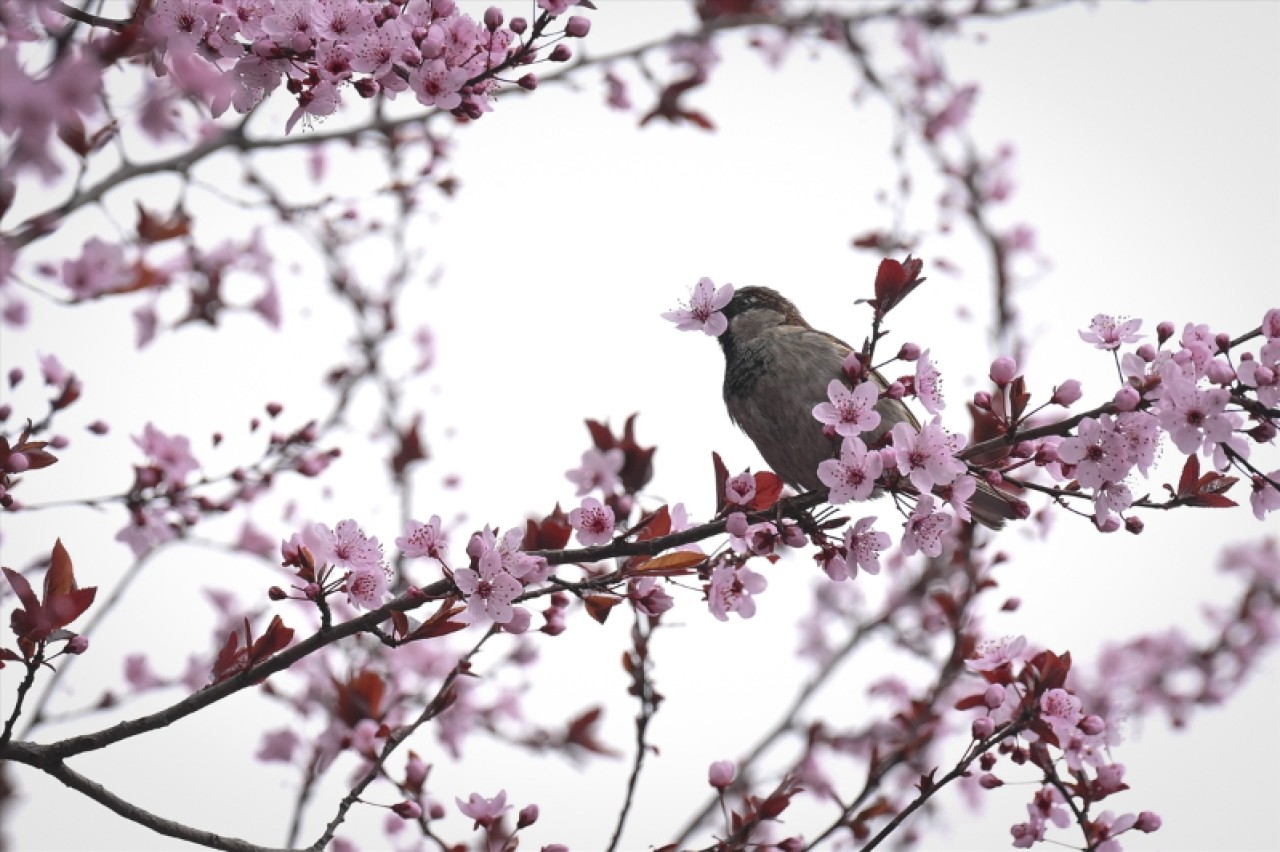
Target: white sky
point(1146, 138)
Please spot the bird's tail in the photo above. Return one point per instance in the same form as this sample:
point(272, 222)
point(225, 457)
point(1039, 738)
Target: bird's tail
point(992, 508)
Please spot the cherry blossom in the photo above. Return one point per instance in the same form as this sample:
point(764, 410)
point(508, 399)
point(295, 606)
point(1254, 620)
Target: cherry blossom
point(345, 546)
point(924, 528)
point(1098, 451)
point(1107, 333)
point(927, 457)
point(484, 811)
point(648, 596)
point(864, 544)
point(740, 490)
point(427, 540)
point(1195, 418)
point(928, 383)
point(731, 589)
point(849, 412)
point(1265, 496)
point(366, 587)
point(490, 591)
point(593, 522)
point(994, 653)
point(703, 313)
point(599, 470)
point(172, 454)
point(854, 474)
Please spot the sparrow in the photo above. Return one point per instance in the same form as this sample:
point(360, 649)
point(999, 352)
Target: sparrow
point(777, 368)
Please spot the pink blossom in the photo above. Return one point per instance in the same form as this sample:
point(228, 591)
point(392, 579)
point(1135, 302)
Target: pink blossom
point(721, 773)
point(100, 269)
point(556, 7)
point(1061, 710)
point(1066, 394)
point(994, 653)
point(740, 490)
point(1111, 498)
point(648, 597)
point(598, 470)
point(593, 522)
point(853, 475)
point(345, 546)
point(172, 454)
point(484, 811)
point(489, 592)
point(146, 528)
point(1263, 373)
point(1271, 324)
point(703, 313)
point(730, 590)
point(436, 84)
point(958, 494)
point(927, 457)
point(278, 746)
point(924, 528)
point(929, 384)
point(1098, 452)
point(850, 412)
point(139, 674)
point(1265, 497)
point(1193, 417)
point(762, 539)
point(1107, 333)
point(517, 563)
point(427, 540)
point(863, 545)
point(366, 587)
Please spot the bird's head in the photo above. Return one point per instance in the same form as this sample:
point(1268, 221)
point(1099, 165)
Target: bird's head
point(755, 310)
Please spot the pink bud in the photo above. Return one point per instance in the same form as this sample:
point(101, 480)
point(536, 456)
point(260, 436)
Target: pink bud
point(561, 53)
point(1093, 725)
point(721, 774)
point(435, 810)
point(1271, 329)
point(528, 816)
point(853, 367)
point(1147, 352)
point(77, 645)
point(528, 82)
point(1011, 605)
point(5, 411)
point(1024, 449)
point(1127, 398)
point(521, 618)
point(994, 696)
point(59, 442)
point(15, 376)
point(983, 727)
point(300, 42)
point(982, 401)
point(1003, 370)
point(895, 391)
point(989, 782)
point(1110, 525)
point(888, 458)
point(492, 18)
point(1164, 331)
point(1067, 393)
point(1148, 822)
point(737, 524)
point(1223, 341)
point(1220, 373)
point(407, 809)
point(987, 761)
point(577, 27)
point(17, 462)
point(276, 593)
point(909, 352)
point(415, 772)
point(518, 25)
point(1134, 525)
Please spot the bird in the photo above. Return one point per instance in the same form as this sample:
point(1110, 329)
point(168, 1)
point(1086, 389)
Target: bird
point(777, 368)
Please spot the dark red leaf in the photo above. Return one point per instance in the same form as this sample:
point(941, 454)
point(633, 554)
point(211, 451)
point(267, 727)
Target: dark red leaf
point(768, 489)
point(722, 477)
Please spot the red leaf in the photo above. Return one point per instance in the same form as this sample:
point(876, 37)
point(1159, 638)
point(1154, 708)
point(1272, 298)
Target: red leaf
point(722, 477)
point(890, 278)
point(768, 489)
point(60, 578)
point(1190, 476)
point(654, 525)
point(599, 606)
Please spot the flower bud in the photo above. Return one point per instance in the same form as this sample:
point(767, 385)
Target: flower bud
point(994, 696)
point(721, 773)
point(276, 593)
point(5, 410)
point(1024, 449)
point(528, 82)
point(518, 25)
point(1147, 352)
point(77, 645)
point(1271, 329)
point(982, 401)
point(1223, 341)
point(17, 462)
point(909, 352)
point(1148, 822)
point(737, 524)
point(895, 391)
point(1134, 524)
point(1110, 525)
point(1220, 373)
point(528, 816)
point(989, 782)
point(407, 809)
point(561, 53)
point(492, 18)
point(1066, 394)
point(1093, 724)
point(987, 761)
point(982, 727)
point(15, 377)
point(1003, 370)
point(577, 27)
point(1127, 398)
point(1164, 331)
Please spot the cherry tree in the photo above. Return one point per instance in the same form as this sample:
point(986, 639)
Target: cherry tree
point(244, 552)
